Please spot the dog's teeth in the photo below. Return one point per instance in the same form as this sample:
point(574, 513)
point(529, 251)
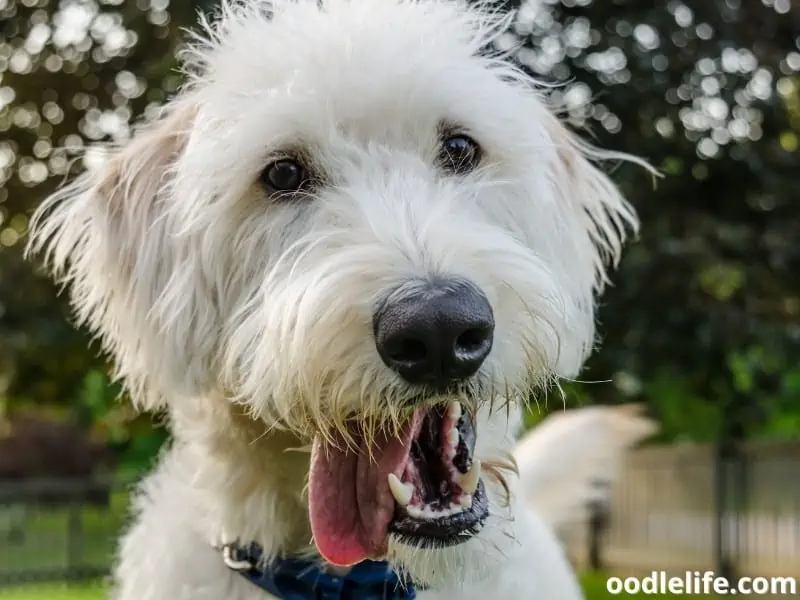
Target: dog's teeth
point(454, 410)
point(402, 493)
point(465, 501)
point(469, 481)
point(452, 437)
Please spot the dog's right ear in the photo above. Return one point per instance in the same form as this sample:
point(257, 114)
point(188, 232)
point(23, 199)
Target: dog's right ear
point(108, 238)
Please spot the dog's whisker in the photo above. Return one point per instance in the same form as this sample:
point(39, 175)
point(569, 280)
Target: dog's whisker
point(585, 381)
point(306, 449)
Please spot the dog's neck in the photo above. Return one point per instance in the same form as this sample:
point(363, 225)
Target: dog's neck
point(251, 480)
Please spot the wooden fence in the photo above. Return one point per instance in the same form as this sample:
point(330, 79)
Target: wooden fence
point(59, 530)
point(665, 514)
point(663, 517)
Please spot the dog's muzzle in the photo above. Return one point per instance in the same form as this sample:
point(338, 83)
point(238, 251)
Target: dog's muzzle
point(434, 332)
point(419, 485)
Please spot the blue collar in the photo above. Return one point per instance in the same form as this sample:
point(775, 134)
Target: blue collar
point(304, 579)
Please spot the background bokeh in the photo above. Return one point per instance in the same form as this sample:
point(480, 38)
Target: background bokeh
point(703, 321)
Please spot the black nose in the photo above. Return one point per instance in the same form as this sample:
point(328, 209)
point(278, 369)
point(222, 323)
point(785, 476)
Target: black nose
point(435, 333)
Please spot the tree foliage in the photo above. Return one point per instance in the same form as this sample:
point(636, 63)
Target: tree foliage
point(703, 320)
point(72, 73)
point(703, 316)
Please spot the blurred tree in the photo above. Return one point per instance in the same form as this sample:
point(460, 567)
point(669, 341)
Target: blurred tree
point(705, 305)
point(71, 72)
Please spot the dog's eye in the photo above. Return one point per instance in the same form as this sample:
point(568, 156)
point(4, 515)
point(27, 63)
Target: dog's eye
point(460, 154)
point(284, 175)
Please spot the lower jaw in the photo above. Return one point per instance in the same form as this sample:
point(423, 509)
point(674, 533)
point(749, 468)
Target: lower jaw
point(446, 531)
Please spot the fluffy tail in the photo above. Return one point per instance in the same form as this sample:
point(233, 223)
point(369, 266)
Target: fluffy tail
point(572, 457)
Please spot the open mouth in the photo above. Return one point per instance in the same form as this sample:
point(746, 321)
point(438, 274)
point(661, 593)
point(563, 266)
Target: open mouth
point(440, 496)
point(424, 487)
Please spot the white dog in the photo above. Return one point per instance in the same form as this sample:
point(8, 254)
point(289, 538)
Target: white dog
point(341, 259)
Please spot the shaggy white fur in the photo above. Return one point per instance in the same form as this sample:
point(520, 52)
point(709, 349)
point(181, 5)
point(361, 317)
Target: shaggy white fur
point(247, 310)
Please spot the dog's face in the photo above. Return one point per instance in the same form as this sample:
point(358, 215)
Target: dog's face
point(368, 232)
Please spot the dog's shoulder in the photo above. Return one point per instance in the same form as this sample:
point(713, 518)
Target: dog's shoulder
point(168, 551)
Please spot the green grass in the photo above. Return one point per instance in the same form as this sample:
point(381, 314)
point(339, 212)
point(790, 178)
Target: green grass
point(54, 592)
point(44, 550)
point(595, 587)
point(45, 547)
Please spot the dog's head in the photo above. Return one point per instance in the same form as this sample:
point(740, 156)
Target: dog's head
point(368, 230)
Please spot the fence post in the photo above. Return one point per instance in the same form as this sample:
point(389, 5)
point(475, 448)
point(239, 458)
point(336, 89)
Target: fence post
point(722, 548)
point(599, 517)
point(730, 497)
point(74, 540)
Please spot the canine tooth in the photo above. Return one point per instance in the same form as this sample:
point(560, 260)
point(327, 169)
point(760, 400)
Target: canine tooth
point(401, 492)
point(469, 481)
point(452, 437)
point(465, 501)
point(454, 411)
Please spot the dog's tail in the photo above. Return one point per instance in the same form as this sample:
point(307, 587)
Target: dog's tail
point(574, 456)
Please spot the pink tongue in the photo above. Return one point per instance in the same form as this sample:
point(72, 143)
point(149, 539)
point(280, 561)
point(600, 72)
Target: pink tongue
point(349, 501)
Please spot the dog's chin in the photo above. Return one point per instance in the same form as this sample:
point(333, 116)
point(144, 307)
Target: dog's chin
point(452, 566)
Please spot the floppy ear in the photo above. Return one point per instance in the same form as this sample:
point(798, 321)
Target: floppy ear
point(108, 237)
point(596, 220)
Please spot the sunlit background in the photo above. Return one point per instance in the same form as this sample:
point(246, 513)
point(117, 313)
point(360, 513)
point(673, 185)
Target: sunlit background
point(702, 324)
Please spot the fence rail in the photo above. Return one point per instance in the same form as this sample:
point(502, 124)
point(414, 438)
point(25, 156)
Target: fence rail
point(56, 530)
point(663, 517)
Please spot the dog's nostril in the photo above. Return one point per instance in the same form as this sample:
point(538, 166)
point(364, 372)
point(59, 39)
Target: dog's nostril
point(473, 339)
point(439, 334)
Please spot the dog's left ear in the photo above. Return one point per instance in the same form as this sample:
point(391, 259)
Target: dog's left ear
point(110, 238)
point(596, 220)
